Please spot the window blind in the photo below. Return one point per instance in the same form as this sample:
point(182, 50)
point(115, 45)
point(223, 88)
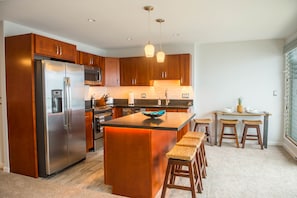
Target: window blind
point(290, 117)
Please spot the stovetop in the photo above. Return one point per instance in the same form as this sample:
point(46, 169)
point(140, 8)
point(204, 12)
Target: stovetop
point(102, 109)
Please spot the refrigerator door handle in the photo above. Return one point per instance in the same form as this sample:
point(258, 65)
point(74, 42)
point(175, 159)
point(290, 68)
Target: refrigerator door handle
point(69, 103)
point(66, 114)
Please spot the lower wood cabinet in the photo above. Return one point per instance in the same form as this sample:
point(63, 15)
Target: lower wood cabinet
point(89, 131)
point(168, 109)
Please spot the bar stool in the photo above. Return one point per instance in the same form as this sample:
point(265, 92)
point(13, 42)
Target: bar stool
point(181, 156)
point(198, 135)
point(230, 124)
point(203, 122)
point(251, 124)
point(196, 143)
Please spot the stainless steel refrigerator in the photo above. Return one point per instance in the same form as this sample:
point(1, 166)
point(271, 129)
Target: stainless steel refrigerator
point(60, 115)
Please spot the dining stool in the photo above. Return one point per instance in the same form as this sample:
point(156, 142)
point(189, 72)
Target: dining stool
point(198, 135)
point(251, 124)
point(181, 156)
point(203, 123)
point(196, 143)
point(231, 124)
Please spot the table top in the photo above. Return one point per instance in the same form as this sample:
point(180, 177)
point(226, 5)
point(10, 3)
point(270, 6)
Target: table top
point(264, 113)
point(169, 121)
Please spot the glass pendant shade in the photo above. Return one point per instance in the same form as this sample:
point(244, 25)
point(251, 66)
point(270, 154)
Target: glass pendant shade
point(160, 57)
point(149, 50)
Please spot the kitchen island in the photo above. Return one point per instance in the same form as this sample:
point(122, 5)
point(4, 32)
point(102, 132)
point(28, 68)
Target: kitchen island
point(135, 148)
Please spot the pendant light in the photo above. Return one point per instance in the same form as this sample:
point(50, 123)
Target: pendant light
point(149, 49)
point(160, 53)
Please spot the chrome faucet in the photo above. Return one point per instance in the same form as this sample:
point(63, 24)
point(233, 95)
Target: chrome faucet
point(166, 97)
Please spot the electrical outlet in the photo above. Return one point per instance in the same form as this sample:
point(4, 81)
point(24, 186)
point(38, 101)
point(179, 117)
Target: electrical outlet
point(185, 95)
point(143, 95)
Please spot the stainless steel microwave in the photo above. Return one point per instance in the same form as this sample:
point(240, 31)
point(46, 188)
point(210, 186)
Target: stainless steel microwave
point(93, 75)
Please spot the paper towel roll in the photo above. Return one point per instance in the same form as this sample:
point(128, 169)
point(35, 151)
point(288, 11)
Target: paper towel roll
point(131, 99)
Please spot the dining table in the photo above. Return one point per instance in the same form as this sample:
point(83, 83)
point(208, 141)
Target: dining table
point(244, 115)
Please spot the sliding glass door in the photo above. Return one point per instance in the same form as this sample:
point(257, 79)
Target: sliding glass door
point(291, 96)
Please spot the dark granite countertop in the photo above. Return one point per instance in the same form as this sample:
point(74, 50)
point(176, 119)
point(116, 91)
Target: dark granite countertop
point(169, 121)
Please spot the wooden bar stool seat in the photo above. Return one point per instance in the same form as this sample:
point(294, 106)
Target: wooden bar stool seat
point(231, 124)
point(196, 142)
point(181, 156)
point(203, 123)
point(251, 124)
point(198, 135)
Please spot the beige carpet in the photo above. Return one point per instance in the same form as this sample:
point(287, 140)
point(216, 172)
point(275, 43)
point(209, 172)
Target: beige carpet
point(232, 173)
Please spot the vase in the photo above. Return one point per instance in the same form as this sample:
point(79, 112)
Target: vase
point(239, 108)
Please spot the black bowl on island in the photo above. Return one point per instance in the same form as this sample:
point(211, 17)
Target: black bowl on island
point(154, 114)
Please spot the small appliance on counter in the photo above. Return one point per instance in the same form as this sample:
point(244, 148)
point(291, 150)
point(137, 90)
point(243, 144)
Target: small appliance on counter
point(131, 99)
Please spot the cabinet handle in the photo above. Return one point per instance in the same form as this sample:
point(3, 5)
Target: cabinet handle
point(135, 81)
point(165, 74)
point(162, 76)
point(181, 80)
point(61, 50)
point(57, 50)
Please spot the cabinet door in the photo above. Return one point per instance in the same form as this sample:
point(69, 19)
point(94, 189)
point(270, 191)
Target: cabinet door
point(88, 59)
point(169, 70)
point(127, 71)
point(89, 131)
point(112, 71)
point(172, 71)
point(185, 70)
point(55, 49)
point(142, 71)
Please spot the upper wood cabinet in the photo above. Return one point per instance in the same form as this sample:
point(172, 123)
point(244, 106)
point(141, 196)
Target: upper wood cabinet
point(112, 71)
point(175, 67)
point(89, 59)
point(52, 48)
point(134, 71)
point(169, 70)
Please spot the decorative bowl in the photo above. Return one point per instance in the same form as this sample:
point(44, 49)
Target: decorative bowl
point(153, 114)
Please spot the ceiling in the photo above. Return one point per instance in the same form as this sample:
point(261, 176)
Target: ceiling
point(190, 21)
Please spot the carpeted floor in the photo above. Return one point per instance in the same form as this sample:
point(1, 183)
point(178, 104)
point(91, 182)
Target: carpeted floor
point(232, 172)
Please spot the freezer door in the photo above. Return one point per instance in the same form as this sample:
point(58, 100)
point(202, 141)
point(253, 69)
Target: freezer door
point(76, 132)
point(56, 138)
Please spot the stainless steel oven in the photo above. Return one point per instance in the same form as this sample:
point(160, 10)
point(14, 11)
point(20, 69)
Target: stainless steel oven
point(101, 114)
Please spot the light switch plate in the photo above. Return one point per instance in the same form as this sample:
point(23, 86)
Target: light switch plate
point(185, 95)
point(143, 95)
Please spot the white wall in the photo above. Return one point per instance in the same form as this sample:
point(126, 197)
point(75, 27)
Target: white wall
point(251, 70)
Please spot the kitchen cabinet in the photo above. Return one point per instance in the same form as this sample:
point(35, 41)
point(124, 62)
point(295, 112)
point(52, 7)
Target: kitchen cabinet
point(20, 52)
point(117, 112)
point(89, 130)
point(175, 67)
point(52, 48)
point(134, 71)
point(112, 72)
point(89, 59)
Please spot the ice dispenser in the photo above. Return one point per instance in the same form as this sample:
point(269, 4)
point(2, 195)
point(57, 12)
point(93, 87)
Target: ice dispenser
point(57, 100)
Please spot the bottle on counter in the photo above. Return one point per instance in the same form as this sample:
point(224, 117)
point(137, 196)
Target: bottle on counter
point(159, 101)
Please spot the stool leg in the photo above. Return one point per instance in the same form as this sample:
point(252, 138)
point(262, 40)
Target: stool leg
point(196, 126)
point(207, 133)
point(222, 133)
point(199, 172)
point(191, 175)
point(259, 137)
point(244, 136)
point(168, 171)
point(236, 136)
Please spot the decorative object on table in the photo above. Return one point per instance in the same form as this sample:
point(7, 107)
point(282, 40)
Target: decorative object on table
point(153, 114)
point(239, 106)
point(228, 109)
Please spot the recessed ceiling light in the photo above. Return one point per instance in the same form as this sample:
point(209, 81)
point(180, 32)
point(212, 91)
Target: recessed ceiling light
point(176, 34)
point(129, 38)
point(91, 20)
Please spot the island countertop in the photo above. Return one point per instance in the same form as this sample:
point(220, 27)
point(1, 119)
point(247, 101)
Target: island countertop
point(169, 121)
